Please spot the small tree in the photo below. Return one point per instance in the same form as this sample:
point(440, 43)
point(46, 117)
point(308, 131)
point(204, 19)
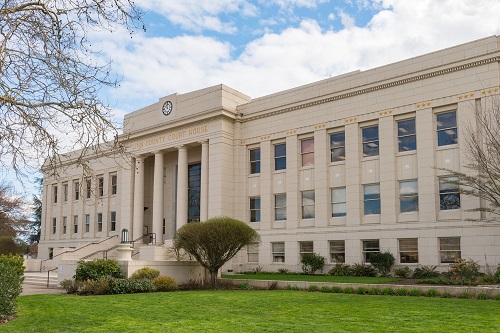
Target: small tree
point(311, 262)
point(214, 242)
point(383, 262)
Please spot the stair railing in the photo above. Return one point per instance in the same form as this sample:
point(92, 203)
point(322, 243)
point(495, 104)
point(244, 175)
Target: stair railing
point(105, 252)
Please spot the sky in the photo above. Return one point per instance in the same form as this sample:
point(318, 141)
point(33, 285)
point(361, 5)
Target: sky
point(260, 47)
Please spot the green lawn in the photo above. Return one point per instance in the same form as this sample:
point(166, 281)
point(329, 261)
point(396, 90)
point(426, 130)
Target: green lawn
point(252, 311)
point(311, 278)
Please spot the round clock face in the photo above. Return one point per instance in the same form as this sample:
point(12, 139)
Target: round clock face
point(167, 108)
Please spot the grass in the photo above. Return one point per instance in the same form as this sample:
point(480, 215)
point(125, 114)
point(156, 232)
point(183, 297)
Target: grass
point(251, 311)
point(311, 278)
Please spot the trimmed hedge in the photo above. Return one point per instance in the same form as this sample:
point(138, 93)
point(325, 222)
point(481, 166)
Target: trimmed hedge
point(11, 281)
point(97, 268)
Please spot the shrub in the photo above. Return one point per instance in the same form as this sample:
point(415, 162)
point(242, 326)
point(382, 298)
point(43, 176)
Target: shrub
point(257, 269)
point(497, 274)
point(283, 270)
point(312, 262)
point(425, 272)
point(482, 296)
point(340, 270)
point(145, 273)
point(446, 295)
point(403, 272)
point(10, 287)
point(96, 287)
point(165, 283)
point(313, 288)
point(294, 287)
point(387, 291)
point(383, 262)
point(272, 285)
point(130, 286)
point(415, 292)
point(326, 289)
point(245, 286)
point(15, 261)
point(464, 269)
point(361, 291)
point(336, 290)
point(497, 297)
point(349, 290)
point(71, 286)
point(94, 269)
point(362, 270)
point(464, 295)
point(374, 291)
point(194, 284)
point(432, 293)
point(401, 292)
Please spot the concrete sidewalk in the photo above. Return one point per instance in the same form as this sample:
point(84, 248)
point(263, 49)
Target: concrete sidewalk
point(35, 283)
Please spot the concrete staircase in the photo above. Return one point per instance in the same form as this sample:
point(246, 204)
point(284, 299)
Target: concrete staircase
point(40, 279)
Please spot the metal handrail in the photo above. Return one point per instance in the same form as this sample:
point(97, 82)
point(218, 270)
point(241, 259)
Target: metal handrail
point(105, 252)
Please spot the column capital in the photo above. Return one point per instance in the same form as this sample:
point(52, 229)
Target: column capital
point(139, 158)
point(158, 152)
point(180, 147)
point(203, 142)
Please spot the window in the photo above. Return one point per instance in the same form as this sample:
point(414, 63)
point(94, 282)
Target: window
point(164, 227)
point(337, 251)
point(255, 160)
point(75, 224)
point(280, 156)
point(65, 223)
point(279, 207)
point(337, 147)
point(255, 209)
point(370, 247)
point(449, 195)
point(87, 222)
point(89, 188)
point(371, 199)
point(194, 188)
point(100, 186)
point(308, 200)
point(307, 152)
point(65, 192)
point(253, 252)
point(112, 222)
point(408, 251)
point(305, 247)
point(54, 225)
point(278, 252)
point(114, 184)
point(447, 128)
point(449, 249)
point(54, 190)
point(338, 202)
point(76, 186)
point(99, 222)
point(408, 196)
point(370, 141)
point(407, 137)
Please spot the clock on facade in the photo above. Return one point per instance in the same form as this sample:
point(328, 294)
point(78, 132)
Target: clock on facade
point(167, 108)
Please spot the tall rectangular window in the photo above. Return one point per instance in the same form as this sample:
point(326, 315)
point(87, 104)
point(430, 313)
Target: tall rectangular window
point(76, 186)
point(54, 191)
point(280, 207)
point(112, 221)
point(89, 188)
point(337, 147)
point(100, 186)
point(447, 128)
point(54, 225)
point(407, 135)
point(308, 204)
point(408, 196)
point(255, 160)
point(337, 251)
point(449, 249)
point(253, 252)
point(371, 199)
point(449, 194)
point(307, 151)
point(87, 222)
point(370, 141)
point(194, 187)
point(65, 223)
point(370, 247)
point(255, 209)
point(280, 156)
point(408, 251)
point(278, 251)
point(65, 192)
point(339, 202)
point(305, 247)
point(114, 184)
point(99, 222)
point(75, 224)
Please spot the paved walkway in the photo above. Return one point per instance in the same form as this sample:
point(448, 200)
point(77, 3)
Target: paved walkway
point(31, 289)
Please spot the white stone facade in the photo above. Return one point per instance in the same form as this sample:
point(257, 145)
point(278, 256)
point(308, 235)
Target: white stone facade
point(239, 144)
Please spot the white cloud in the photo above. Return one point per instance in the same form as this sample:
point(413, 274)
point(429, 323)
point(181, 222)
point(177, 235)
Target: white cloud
point(346, 20)
point(286, 4)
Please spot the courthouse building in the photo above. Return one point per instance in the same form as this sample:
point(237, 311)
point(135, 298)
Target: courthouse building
point(343, 167)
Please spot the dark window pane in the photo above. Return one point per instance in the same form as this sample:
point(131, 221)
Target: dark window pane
point(447, 137)
point(280, 150)
point(255, 167)
point(372, 207)
point(408, 204)
point(338, 154)
point(255, 154)
point(407, 143)
point(446, 120)
point(406, 127)
point(370, 149)
point(254, 203)
point(370, 134)
point(449, 201)
point(337, 140)
point(280, 163)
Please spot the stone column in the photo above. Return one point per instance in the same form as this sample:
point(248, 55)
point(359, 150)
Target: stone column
point(182, 187)
point(204, 181)
point(158, 197)
point(138, 221)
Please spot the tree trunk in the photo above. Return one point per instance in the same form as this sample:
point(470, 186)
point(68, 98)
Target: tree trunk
point(213, 278)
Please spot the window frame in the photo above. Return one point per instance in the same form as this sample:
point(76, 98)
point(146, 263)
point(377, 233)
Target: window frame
point(443, 252)
point(366, 201)
point(442, 194)
point(337, 203)
point(253, 253)
point(88, 183)
point(76, 186)
point(114, 184)
point(307, 153)
point(407, 253)
point(277, 208)
point(338, 147)
point(305, 247)
point(255, 160)
point(255, 212)
point(369, 141)
point(75, 224)
point(279, 253)
point(64, 224)
point(54, 194)
point(444, 129)
point(412, 136)
point(368, 250)
point(87, 223)
point(65, 191)
point(313, 205)
point(408, 196)
point(337, 251)
point(54, 225)
point(100, 186)
point(99, 222)
point(112, 221)
point(278, 159)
